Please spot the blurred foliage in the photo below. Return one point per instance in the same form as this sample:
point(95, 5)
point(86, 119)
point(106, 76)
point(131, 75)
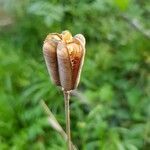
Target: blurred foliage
point(115, 82)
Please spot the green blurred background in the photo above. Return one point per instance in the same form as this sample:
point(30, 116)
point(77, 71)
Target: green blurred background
point(111, 109)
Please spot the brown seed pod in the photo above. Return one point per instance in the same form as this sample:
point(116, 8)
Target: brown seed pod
point(64, 67)
point(64, 57)
point(82, 41)
point(75, 54)
point(50, 55)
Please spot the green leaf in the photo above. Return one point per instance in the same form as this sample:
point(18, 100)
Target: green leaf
point(122, 4)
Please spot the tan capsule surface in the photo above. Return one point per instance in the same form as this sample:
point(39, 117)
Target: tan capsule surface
point(64, 67)
point(75, 54)
point(50, 55)
point(82, 42)
point(64, 56)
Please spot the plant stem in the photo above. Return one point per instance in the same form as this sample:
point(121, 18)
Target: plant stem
point(55, 124)
point(67, 112)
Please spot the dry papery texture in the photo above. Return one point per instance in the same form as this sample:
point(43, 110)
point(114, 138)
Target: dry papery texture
point(64, 56)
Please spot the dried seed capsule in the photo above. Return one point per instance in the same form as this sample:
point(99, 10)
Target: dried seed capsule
point(75, 57)
point(50, 55)
point(64, 66)
point(64, 56)
point(81, 39)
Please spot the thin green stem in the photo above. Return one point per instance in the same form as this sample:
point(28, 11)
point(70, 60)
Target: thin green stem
point(67, 112)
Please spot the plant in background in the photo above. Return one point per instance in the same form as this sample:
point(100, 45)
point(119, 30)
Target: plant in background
point(64, 56)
